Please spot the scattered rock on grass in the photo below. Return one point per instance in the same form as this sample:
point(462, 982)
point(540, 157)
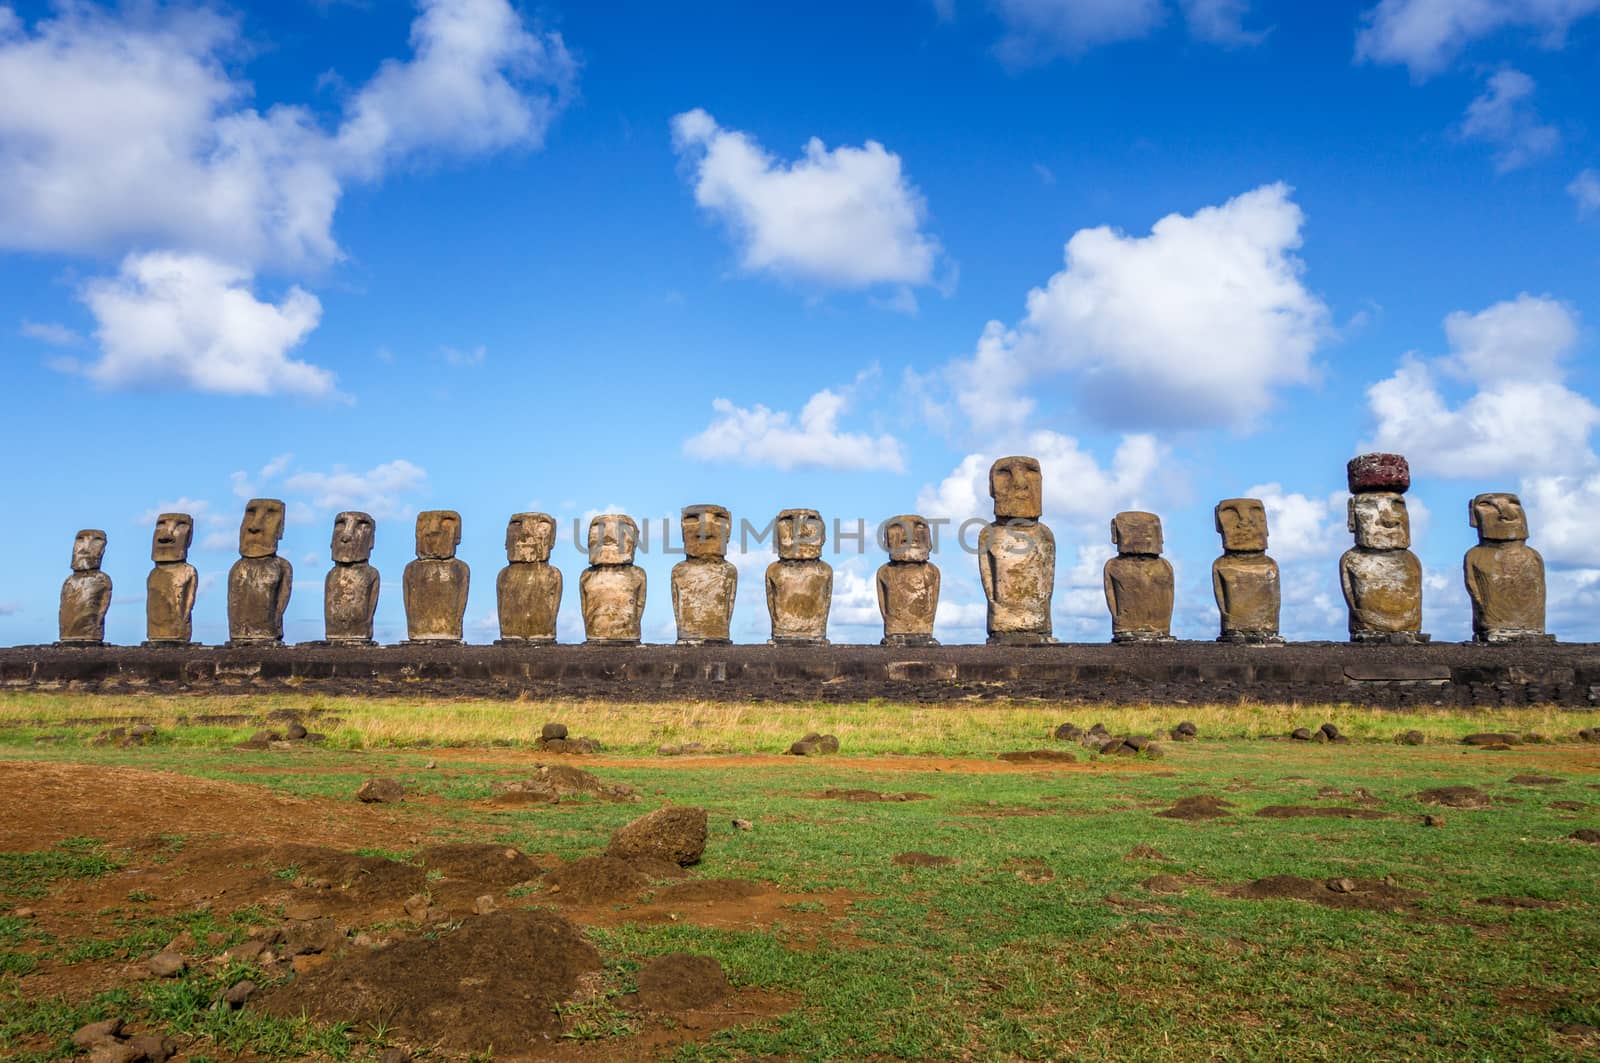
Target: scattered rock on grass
point(1330, 732)
point(1142, 851)
point(239, 993)
point(674, 834)
point(1586, 834)
point(96, 1032)
point(1410, 738)
point(1301, 734)
point(1492, 739)
point(553, 782)
point(1068, 732)
point(167, 965)
point(1184, 732)
point(743, 824)
point(553, 730)
point(815, 744)
point(381, 791)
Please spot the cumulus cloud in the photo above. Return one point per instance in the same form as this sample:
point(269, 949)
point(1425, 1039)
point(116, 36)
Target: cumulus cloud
point(1196, 324)
point(1425, 35)
point(1301, 526)
point(1520, 417)
point(1504, 117)
point(1037, 31)
point(190, 320)
point(758, 435)
point(843, 218)
point(1585, 191)
point(53, 333)
point(377, 491)
point(1220, 21)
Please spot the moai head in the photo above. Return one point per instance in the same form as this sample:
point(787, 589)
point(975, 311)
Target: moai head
point(800, 535)
point(438, 534)
point(1243, 524)
point(530, 537)
point(908, 538)
point(261, 528)
point(1136, 533)
point(1380, 521)
point(612, 538)
point(1499, 518)
point(174, 531)
point(1017, 488)
point(87, 550)
point(706, 530)
point(353, 533)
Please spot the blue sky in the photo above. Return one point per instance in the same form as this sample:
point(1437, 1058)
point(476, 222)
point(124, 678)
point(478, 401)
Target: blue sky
point(492, 257)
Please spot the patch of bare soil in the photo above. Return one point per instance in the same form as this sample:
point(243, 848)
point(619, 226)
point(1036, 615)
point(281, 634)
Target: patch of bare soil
point(709, 891)
point(921, 859)
point(682, 981)
point(1518, 902)
point(1319, 812)
point(1198, 806)
point(1569, 806)
point(1586, 834)
point(493, 982)
point(595, 880)
point(1537, 780)
point(1039, 756)
point(481, 864)
point(1359, 794)
point(1142, 851)
point(834, 794)
point(552, 783)
point(1355, 893)
point(1456, 797)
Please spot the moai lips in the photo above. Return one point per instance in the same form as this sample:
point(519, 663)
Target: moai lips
point(171, 586)
point(350, 591)
point(260, 582)
point(435, 585)
point(612, 588)
point(86, 594)
point(1504, 575)
point(705, 583)
point(1244, 579)
point(528, 589)
point(1017, 556)
point(908, 586)
point(1138, 581)
point(799, 583)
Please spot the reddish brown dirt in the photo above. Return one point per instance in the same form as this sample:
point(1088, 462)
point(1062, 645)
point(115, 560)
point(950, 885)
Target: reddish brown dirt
point(1142, 851)
point(682, 981)
point(1319, 812)
point(1456, 797)
point(595, 880)
point(918, 859)
point(1039, 756)
point(1199, 806)
point(1537, 780)
point(1364, 894)
point(832, 794)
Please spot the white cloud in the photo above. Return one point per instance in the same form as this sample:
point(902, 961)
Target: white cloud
point(1585, 189)
point(758, 435)
point(1037, 31)
point(1425, 35)
point(1196, 324)
point(460, 359)
point(1302, 527)
point(377, 491)
point(56, 335)
point(1504, 117)
point(843, 218)
point(190, 320)
point(1520, 417)
point(1561, 516)
point(1220, 21)
point(197, 508)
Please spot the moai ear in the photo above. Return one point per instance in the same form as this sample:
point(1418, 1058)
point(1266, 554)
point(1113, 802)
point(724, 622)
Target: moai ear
point(1350, 515)
point(1116, 533)
point(1216, 519)
point(1472, 514)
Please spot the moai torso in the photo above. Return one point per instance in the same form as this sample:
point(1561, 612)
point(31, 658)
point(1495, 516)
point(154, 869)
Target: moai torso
point(612, 589)
point(705, 583)
point(908, 586)
point(1244, 579)
point(258, 594)
point(1138, 581)
point(1504, 575)
point(172, 584)
point(528, 589)
point(435, 585)
point(86, 594)
point(350, 591)
point(1017, 555)
point(799, 583)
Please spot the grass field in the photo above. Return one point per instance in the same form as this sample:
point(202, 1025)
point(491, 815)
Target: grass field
point(1071, 920)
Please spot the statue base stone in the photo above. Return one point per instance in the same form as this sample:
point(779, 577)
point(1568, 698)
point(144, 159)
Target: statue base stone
point(326, 644)
point(525, 642)
point(1021, 638)
point(1390, 638)
point(1251, 638)
point(705, 642)
point(1512, 638)
point(170, 644)
point(433, 642)
point(1140, 637)
point(613, 642)
point(909, 640)
point(68, 644)
point(796, 640)
point(245, 644)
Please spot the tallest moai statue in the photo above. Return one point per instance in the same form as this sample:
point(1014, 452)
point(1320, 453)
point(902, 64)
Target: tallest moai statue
point(259, 583)
point(1017, 556)
point(1382, 578)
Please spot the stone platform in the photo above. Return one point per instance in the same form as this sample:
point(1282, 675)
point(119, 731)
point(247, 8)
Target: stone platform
point(1178, 672)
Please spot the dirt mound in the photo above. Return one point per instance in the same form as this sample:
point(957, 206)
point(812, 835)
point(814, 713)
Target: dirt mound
point(1039, 756)
point(338, 875)
point(1537, 780)
point(1173, 883)
point(708, 890)
point(673, 834)
point(1147, 852)
point(919, 859)
point(1586, 834)
point(834, 794)
point(682, 981)
point(553, 782)
point(1319, 812)
point(1569, 806)
point(494, 866)
point(495, 982)
point(1360, 893)
point(1455, 797)
point(595, 880)
point(1518, 902)
point(1492, 739)
point(1199, 806)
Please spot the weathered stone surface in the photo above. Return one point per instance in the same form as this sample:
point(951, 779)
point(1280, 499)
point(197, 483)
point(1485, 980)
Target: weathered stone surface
point(676, 835)
point(612, 588)
point(435, 585)
point(1138, 581)
point(908, 586)
point(1244, 579)
point(350, 591)
point(1381, 577)
point(381, 791)
point(172, 584)
point(86, 594)
point(705, 583)
point(799, 583)
point(260, 582)
point(1504, 575)
point(528, 589)
point(1378, 472)
point(1017, 556)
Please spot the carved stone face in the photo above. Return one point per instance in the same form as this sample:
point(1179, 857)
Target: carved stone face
point(612, 538)
point(1017, 488)
point(1499, 517)
point(261, 528)
point(800, 535)
point(174, 531)
point(1136, 533)
point(353, 533)
point(1243, 524)
point(87, 550)
point(908, 538)
point(706, 530)
point(438, 534)
point(530, 537)
point(1380, 521)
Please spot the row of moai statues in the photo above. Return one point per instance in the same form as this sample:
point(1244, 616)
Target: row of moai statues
point(1381, 577)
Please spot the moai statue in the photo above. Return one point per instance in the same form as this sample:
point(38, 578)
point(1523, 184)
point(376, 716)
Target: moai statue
point(259, 582)
point(799, 583)
point(1382, 578)
point(1138, 581)
point(435, 584)
point(1505, 576)
point(1017, 556)
point(170, 589)
point(705, 582)
point(611, 590)
point(350, 593)
point(908, 586)
point(1244, 578)
point(86, 595)
point(528, 589)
